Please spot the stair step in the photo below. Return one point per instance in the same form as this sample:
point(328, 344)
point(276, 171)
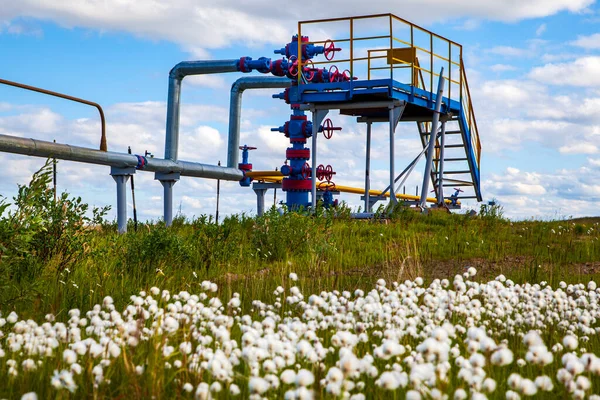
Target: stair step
point(456, 172)
point(451, 159)
point(466, 197)
point(447, 133)
point(457, 184)
point(452, 146)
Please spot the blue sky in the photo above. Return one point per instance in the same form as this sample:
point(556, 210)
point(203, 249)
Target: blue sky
point(533, 68)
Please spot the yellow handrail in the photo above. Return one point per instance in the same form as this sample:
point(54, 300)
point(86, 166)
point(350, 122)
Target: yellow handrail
point(434, 50)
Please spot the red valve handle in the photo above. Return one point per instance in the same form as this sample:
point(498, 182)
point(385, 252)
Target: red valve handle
point(329, 173)
point(328, 129)
point(330, 49)
point(346, 75)
point(459, 190)
point(321, 172)
point(309, 67)
point(333, 75)
point(293, 68)
point(306, 171)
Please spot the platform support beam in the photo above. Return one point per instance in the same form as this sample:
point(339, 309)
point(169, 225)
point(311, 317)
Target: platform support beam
point(394, 117)
point(317, 119)
point(432, 139)
point(440, 180)
point(121, 176)
point(368, 170)
point(168, 181)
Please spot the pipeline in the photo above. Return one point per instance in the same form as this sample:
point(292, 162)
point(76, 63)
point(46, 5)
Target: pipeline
point(235, 109)
point(176, 75)
point(40, 148)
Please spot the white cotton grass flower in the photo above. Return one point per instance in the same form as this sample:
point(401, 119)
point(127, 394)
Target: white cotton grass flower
point(305, 378)
point(234, 390)
point(570, 342)
point(293, 276)
point(12, 318)
point(258, 385)
point(502, 357)
point(30, 396)
point(544, 383)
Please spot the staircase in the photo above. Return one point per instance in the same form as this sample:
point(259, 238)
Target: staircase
point(462, 148)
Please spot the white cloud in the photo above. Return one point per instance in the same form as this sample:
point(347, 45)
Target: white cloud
point(591, 42)
point(584, 72)
point(502, 68)
point(579, 148)
point(558, 194)
point(220, 24)
point(210, 81)
point(507, 51)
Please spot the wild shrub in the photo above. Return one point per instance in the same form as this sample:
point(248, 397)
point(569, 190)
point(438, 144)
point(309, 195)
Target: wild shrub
point(41, 233)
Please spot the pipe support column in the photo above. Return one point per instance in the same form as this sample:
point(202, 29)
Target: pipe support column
point(395, 114)
point(260, 201)
point(168, 181)
point(121, 176)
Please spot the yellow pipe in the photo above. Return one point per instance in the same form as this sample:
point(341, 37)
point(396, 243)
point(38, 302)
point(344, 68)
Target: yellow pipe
point(349, 189)
point(263, 174)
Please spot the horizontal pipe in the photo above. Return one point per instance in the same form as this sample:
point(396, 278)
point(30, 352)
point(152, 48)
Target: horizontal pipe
point(176, 75)
point(235, 109)
point(40, 148)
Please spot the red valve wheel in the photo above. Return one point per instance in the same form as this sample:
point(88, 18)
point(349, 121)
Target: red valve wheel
point(459, 190)
point(346, 75)
point(330, 49)
point(306, 171)
point(309, 67)
point(321, 172)
point(328, 128)
point(333, 73)
point(329, 173)
point(293, 68)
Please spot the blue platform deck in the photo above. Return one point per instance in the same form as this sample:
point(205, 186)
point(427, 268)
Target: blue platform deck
point(419, 106)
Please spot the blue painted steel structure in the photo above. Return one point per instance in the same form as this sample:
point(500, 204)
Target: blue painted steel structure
point(314, 87)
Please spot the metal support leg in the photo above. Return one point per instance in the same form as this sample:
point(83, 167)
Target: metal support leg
point(432, 140)
point(168, 181)
point(260, 201)
point(440, 181)
point(395, 115)
point(317, 118)
point(368, 170)
point(121, 176)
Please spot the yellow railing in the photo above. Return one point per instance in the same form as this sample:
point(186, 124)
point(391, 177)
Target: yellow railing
point(386, 44)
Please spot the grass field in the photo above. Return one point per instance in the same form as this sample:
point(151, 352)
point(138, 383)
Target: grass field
point(295, 306)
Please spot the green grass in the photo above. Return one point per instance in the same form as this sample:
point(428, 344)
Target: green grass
point(251, 255)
